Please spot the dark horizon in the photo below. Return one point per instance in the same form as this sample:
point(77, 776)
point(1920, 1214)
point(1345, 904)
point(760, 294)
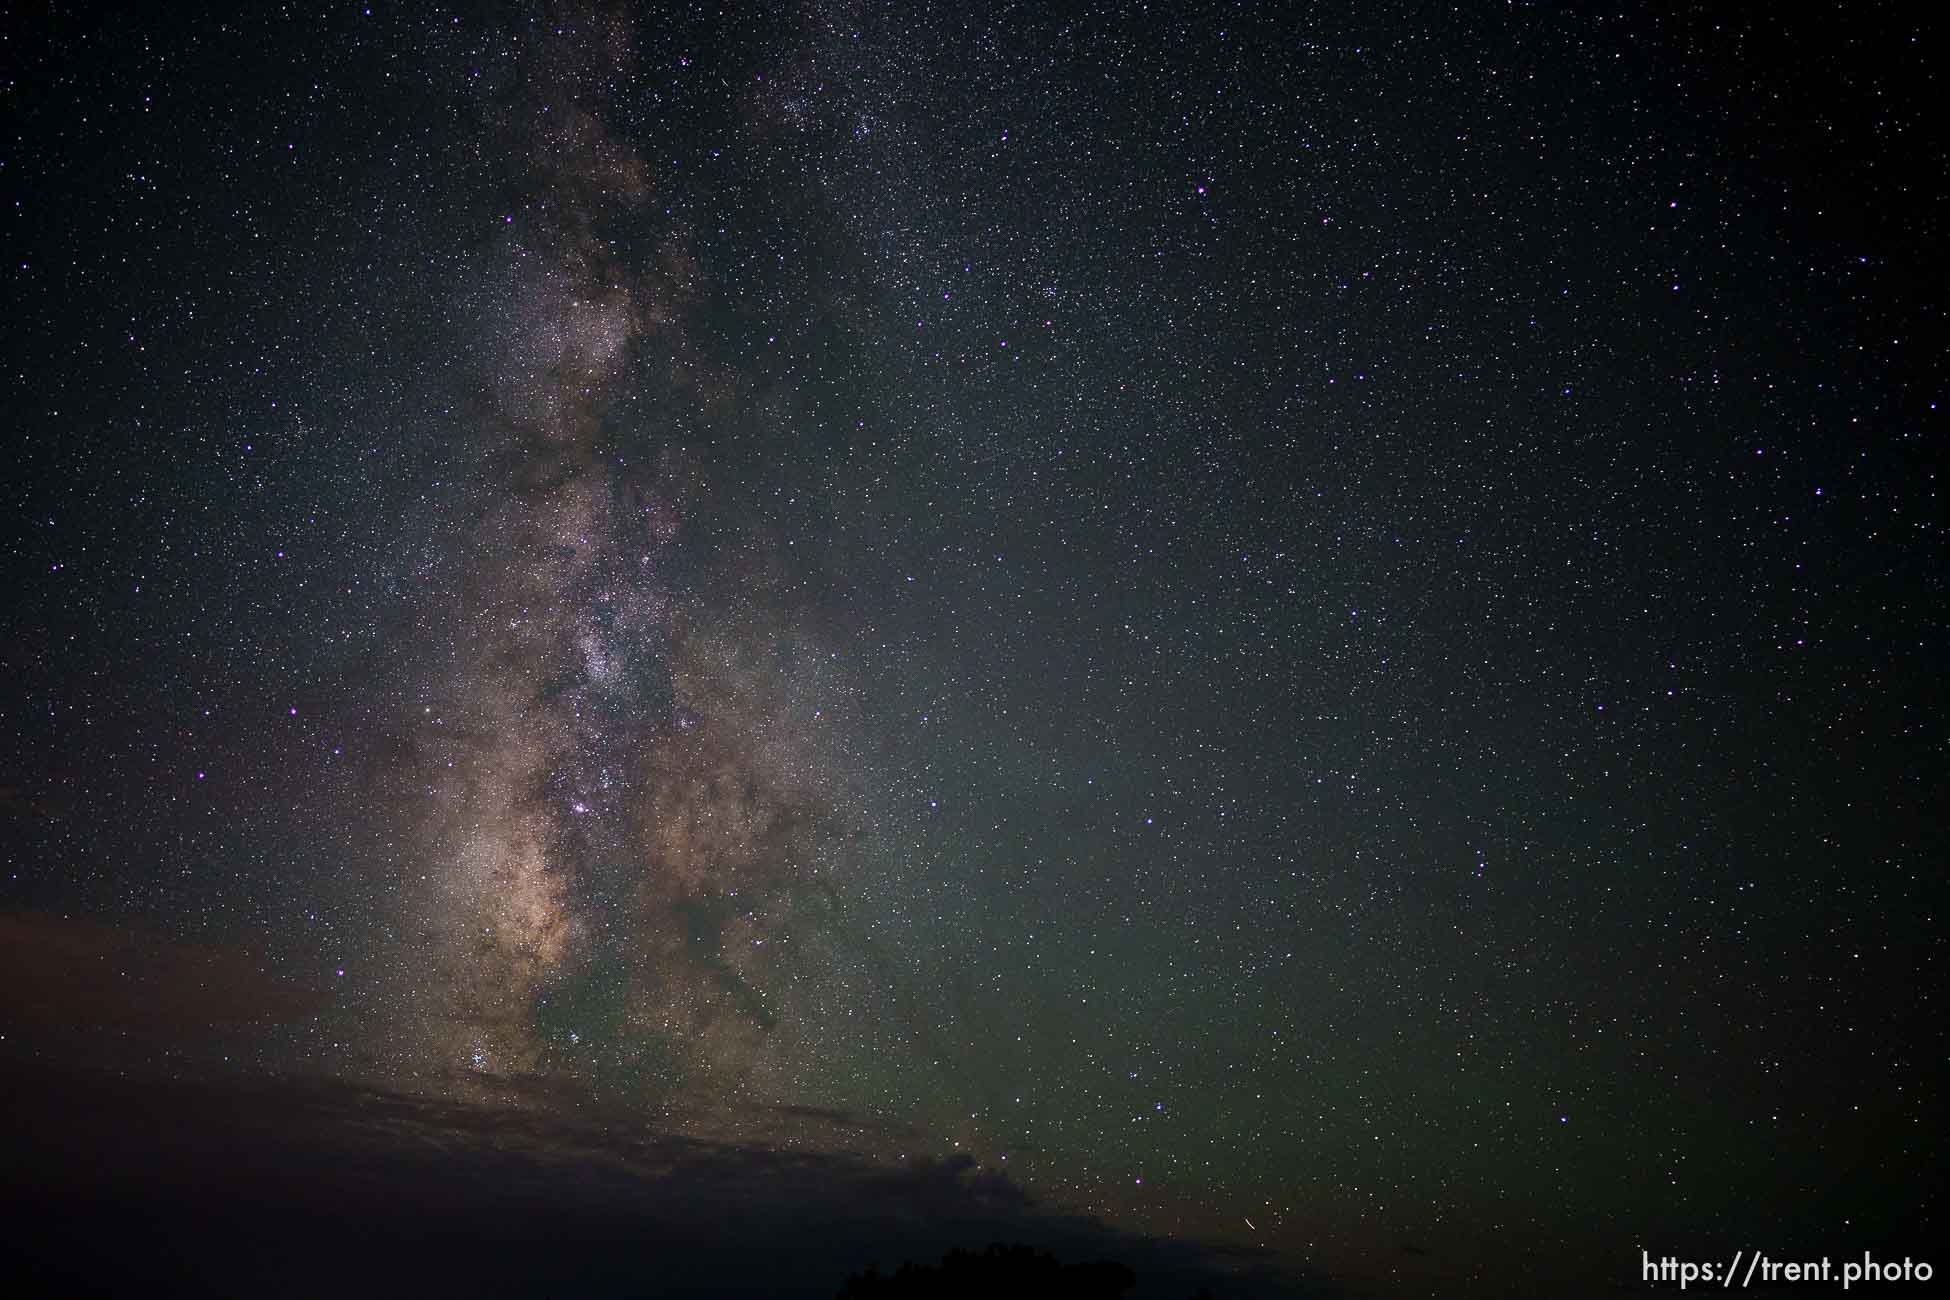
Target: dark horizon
point(228, 1186)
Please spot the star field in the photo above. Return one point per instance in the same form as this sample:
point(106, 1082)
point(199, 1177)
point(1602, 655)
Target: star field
point(1314, 631)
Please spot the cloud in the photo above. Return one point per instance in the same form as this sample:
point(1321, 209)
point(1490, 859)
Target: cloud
point(79, 973)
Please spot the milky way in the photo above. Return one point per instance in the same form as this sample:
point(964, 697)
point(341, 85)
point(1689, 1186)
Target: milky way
point(619, 791)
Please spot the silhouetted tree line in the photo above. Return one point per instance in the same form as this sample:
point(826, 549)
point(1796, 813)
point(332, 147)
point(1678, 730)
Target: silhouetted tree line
point(1011, 1272)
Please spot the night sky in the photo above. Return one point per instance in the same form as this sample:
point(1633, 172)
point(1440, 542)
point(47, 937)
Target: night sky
point(1309, 640)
